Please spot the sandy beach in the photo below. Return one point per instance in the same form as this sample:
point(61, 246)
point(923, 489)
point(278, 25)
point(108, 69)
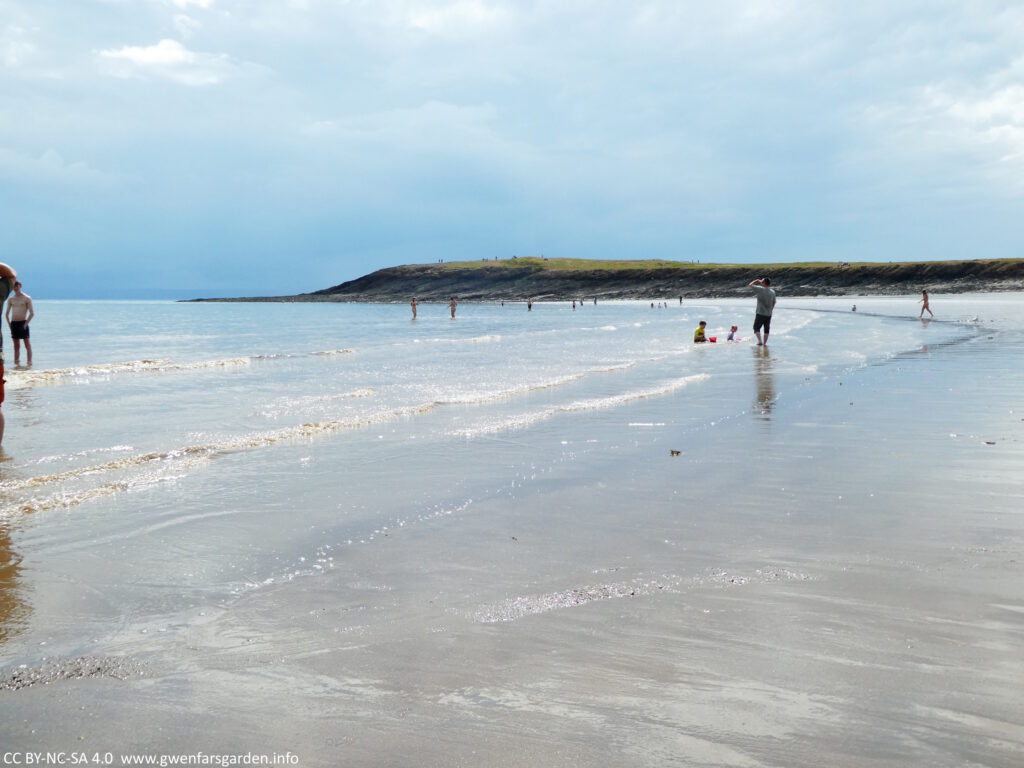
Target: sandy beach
point(828, 573)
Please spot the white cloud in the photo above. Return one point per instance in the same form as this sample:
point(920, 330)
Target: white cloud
point(458, 18)
point(988, 119)
point(168, 60)
point(166, 52)
point(967, 133)
point(15, 48)
point(204, 4)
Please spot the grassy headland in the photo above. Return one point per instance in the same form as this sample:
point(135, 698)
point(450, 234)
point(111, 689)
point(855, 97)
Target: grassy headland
point(523, 277)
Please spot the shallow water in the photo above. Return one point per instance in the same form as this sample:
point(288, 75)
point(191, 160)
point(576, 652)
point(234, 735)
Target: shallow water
point(416, 519)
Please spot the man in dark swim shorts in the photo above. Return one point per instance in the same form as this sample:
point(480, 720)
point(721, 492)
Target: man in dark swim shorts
point(765, 306)
point(19, 314)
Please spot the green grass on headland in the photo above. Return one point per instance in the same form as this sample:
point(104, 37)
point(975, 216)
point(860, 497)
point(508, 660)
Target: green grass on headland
point(561, 264)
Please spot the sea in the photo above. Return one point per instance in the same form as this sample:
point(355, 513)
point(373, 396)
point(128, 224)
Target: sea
point(401, 531)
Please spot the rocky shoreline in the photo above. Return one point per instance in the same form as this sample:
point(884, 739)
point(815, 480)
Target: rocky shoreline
point(566, 279)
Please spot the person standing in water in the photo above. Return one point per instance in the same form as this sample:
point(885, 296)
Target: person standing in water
point(413, 305)
point(924, 306)
point(764, 309)
point(8, 277)
point(452, 304)
point(19, 313)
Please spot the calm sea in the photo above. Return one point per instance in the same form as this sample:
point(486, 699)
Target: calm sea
point(198, 445)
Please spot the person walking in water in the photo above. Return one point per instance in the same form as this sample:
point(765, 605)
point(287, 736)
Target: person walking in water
point(452, 304)
point(764, 309)
point(413, 305)
point(8, 277)
point(19, 314)
point(924, 306)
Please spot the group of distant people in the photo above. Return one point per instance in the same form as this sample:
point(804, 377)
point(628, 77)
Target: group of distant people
point(762, 315)
point(19, 313)
point(763, 291)
point(451, 305)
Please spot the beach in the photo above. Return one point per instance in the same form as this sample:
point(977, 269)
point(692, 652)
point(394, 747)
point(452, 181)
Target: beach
point(328, 535)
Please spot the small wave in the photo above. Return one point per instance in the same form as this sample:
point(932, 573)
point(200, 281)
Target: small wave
point(520, 607)
point(23, 379)
point(83, 454)
point(174, 461)
point(523, 606)
point(321, 561)
point(803, 323)
point(475, 398)
point(312, 402)
point(332, 352)
point(523, 420)
point(491, 338)
point(32, 378)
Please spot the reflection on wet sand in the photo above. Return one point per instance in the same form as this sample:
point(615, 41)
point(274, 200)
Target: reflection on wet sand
point(765, 399)
point(13, 609)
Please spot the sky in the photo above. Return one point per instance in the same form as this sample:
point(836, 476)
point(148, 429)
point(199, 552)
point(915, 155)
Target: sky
point(182, 148)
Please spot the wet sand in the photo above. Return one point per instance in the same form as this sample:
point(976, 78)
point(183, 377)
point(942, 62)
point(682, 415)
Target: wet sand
point(853, 597)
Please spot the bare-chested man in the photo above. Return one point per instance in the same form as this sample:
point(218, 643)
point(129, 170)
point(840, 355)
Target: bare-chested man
point(19, 314)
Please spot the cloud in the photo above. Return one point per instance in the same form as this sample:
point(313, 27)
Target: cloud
point(458, 18)
point(169, 60)
point(186, 25)
point(15, 48)
point(750, 128)
point(967, 133)
point(166, 52)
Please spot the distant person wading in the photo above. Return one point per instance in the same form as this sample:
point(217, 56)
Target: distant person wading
point(924, 305)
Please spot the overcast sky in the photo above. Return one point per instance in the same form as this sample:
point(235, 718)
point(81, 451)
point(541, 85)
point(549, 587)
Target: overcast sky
point(156, 148)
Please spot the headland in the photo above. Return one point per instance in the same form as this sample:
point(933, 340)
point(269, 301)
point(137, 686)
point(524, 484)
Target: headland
point(552, 279)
